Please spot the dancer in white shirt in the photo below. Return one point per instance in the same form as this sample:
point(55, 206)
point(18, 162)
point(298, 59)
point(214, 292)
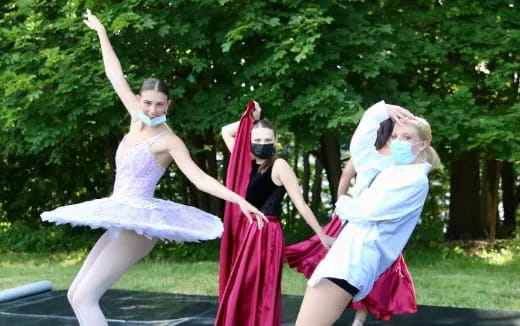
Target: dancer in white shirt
point(381, 219)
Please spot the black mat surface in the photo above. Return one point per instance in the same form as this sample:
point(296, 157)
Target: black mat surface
point(150, 308)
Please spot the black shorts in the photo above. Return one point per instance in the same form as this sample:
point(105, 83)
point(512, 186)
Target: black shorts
point(351, 289)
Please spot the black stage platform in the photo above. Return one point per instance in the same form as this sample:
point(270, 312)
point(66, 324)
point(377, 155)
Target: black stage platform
point(166, 309)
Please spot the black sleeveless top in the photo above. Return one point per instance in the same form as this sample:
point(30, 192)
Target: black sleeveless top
point(263, 193)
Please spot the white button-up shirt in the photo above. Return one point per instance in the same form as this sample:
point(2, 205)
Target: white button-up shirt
point(381, 217)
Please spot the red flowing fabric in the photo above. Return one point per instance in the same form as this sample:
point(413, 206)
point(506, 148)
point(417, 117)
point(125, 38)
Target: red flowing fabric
point(305, 255)
point(237, 179)
point(253, 293)
point(393, 292)
point(251, 260)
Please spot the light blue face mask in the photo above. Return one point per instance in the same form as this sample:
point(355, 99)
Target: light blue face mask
point(401, 151)
point(151, 122)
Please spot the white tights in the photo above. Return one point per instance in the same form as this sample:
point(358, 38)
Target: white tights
point(112, 256)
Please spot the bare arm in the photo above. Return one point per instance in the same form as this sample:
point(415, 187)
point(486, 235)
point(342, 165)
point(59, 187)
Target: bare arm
point(346, 177)
point(285, 174)
point(229, 133)
point(206, 183)
point(113, 69)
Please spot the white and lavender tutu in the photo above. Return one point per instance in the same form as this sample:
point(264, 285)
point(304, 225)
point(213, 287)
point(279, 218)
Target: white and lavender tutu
point(133, 207)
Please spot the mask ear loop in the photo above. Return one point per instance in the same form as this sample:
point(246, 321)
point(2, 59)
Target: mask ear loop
point(420, 151)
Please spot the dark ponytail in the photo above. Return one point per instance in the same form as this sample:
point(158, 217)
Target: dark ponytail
point(383, 133)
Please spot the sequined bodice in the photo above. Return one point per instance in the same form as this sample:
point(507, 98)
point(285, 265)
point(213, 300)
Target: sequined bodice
point(137, 171)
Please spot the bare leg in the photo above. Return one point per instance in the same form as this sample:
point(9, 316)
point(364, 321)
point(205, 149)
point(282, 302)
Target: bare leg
point(359, 319)
point(113, 261)
point(322, 304)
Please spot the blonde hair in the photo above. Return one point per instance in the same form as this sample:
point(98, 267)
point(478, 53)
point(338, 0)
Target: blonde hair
point(425, 133)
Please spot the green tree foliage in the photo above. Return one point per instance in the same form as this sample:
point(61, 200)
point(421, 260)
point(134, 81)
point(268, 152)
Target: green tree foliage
point(313, 65)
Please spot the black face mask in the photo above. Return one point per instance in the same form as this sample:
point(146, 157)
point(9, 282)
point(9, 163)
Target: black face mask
point(262, 151)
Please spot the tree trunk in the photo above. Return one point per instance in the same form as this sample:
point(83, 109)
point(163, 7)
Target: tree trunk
point(316, 186)
point(197, 152)
point(291, 208)
point(331, 159)
point(508, 200)
point(226, 155)
point(489, 197)
point(111, 142)
point(216, 205)
point(464, 216)
point(306, 177)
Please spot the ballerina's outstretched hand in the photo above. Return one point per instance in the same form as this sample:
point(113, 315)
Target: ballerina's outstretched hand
point(93, 22)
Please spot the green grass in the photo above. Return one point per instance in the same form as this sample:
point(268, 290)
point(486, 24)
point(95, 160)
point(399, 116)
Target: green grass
point(487, 279)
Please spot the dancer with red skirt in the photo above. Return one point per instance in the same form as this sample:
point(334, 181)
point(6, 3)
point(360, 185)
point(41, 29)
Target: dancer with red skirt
point(251, 258)
point(393, 292)
point(381, 218)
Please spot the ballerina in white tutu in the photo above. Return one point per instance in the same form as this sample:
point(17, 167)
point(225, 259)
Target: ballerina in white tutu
point(134, 219)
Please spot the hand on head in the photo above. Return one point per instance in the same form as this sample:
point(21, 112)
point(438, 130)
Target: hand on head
point(399, 114)
point(257, 111)
point(92, 21)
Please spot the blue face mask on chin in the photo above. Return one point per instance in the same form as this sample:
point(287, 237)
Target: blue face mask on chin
point(151, 122)
point(401, 151)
